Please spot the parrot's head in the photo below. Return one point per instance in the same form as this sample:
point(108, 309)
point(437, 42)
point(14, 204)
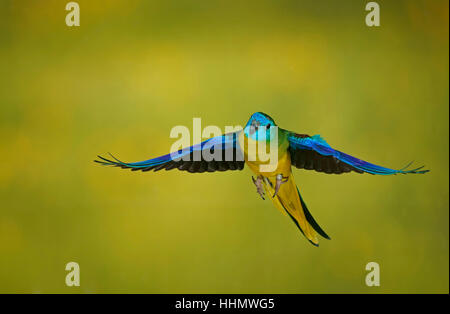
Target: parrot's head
point(258, 122)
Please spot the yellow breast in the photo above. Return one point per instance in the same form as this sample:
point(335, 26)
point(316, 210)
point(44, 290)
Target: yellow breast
point(266, 159)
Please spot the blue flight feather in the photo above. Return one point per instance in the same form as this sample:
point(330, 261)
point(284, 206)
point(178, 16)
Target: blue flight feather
point(319, 145)
point(226, 140)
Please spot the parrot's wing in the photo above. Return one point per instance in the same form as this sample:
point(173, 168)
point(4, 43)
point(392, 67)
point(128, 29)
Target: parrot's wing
point(219, 153)
point(313, 153)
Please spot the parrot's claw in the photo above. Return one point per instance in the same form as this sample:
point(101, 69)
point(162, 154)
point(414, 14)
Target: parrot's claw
point(259, 186)
point(280, 181)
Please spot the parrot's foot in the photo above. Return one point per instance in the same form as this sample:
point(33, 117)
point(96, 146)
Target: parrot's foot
point(280, 181)
point(259, 186)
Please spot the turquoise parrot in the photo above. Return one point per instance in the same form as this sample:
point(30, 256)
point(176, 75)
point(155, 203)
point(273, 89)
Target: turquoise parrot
point(254, 146)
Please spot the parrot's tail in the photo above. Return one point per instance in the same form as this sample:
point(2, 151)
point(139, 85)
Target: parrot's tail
point(289, 201)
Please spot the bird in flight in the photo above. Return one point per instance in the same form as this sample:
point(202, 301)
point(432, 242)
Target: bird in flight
point(272, 178)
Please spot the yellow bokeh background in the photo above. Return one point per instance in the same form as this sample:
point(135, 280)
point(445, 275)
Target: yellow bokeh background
point(134, 69)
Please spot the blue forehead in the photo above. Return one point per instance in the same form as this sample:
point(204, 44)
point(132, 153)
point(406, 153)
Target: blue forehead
point(261, 117)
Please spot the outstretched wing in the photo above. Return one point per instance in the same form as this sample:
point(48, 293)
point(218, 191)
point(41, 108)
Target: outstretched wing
point(219, 153)
point(313, 153)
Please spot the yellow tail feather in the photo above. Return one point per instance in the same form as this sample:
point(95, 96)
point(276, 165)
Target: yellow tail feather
point(288, 201)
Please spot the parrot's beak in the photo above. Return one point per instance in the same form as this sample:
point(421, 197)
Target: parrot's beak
point(253, 127)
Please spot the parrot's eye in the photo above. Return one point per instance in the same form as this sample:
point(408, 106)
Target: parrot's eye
point(268, 126)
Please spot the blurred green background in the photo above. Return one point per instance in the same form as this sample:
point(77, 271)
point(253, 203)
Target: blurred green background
point(134, 69)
